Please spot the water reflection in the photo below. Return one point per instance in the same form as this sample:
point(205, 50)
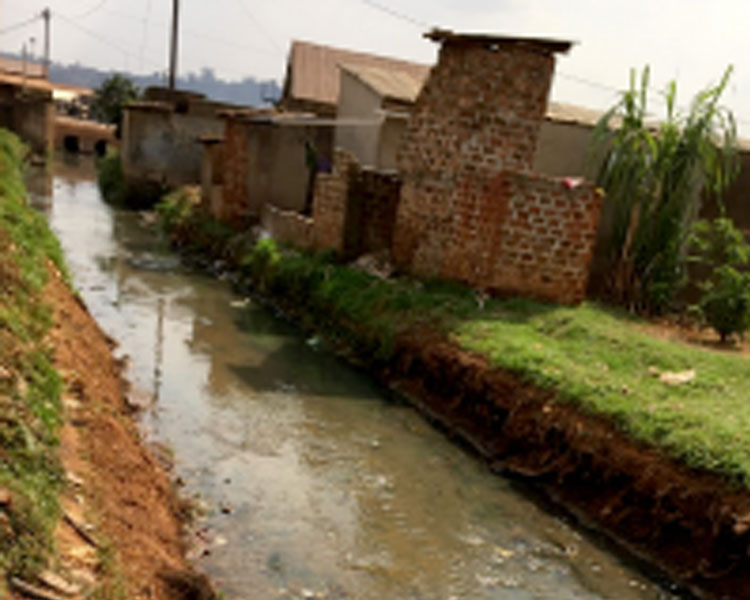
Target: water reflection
point(316, 485)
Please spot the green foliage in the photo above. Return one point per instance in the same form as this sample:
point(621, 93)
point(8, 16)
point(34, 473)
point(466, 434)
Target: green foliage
point(110, 98)
point(725, 302)
point(30, 407)
point(118, 191)
point(653, 176)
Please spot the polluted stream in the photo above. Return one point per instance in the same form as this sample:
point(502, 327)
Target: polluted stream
point(313, 484)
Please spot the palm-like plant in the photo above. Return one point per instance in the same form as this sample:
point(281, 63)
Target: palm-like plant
point(653, 176)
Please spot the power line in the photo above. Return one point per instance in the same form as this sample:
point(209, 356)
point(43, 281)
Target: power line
point(144, 36)
point(259, 25)
point(103, 39)
point(195, 33)
point(92, 10)
point(20, 25)
point(396, 14)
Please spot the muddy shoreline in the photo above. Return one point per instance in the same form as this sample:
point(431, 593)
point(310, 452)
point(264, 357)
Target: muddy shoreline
point(117, 488)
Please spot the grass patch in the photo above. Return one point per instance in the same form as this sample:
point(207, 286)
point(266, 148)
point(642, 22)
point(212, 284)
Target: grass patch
point(595, 357)
point(117, 190)
point(30, 407)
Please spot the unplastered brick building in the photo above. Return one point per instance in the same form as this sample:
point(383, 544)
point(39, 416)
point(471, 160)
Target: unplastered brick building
point(471, 209)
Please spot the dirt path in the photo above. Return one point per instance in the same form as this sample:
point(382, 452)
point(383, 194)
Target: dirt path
point(121, 525)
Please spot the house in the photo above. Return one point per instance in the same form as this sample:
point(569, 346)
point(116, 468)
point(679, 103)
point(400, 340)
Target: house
point(373, 110)
point(161, 136)
point(27, 109)
point(312, 81)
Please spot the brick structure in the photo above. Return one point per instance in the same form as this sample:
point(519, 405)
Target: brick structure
point(330, 202)
point(289, 227)
point(354, 209)
point(470, 209)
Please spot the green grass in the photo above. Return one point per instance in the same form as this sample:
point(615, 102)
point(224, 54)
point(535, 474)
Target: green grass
point(30, 407)
point(597, 358)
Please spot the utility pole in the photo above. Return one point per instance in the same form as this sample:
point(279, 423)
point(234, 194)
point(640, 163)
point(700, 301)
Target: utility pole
point(47, 16)
point(173, 47)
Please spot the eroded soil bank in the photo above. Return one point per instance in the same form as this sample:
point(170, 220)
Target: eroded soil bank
point(691, 525)
point(115, 485)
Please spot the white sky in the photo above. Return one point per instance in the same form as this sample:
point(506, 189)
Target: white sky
point(690, 40)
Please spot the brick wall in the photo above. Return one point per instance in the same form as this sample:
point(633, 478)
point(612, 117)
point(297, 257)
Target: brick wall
point(470, 208)
point(373, 200)
point(480, 110)
point(330, 202)
point(354, 209)
point(236, 165)
point(289, 227)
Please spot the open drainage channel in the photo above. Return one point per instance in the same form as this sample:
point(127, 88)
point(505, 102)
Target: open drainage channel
point(313, 484)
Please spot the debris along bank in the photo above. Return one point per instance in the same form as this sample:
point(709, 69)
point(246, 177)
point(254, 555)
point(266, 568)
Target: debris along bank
point(84, 509)
point(579, 400)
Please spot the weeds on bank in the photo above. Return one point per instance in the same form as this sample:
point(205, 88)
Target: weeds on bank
point(30, 408)
point(598, 358)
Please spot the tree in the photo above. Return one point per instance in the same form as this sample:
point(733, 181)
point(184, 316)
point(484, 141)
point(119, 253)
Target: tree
point(110, 98)
point(653, 176)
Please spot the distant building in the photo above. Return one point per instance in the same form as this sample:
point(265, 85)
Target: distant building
point(313, 79)
point(373, 110)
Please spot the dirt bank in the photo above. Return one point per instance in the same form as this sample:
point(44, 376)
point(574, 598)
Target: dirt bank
point(117, 493)
point(692, 525)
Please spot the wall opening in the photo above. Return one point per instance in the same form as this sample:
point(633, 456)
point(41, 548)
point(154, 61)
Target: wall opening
point(71, 143)
point(100, 148)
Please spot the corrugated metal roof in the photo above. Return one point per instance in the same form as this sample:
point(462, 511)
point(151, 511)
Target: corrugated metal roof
point(15, 66)
point(314, 70)
point(570, 113)
point(394, 84)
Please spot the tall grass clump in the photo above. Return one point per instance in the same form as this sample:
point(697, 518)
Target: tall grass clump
point(653, 175)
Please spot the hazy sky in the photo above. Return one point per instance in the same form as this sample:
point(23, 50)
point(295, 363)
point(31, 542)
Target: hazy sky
point(690, 40)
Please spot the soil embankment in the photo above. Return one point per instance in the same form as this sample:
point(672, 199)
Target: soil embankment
point(692, 525)
point(115, 484)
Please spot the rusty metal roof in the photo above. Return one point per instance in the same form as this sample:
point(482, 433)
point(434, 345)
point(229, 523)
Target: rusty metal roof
point(16, 67)
point(393, 84)
point(313, 70)
point(446, 35)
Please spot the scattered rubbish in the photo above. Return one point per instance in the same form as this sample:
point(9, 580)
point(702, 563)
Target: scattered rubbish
point(244, 303)
point(680, 378)
point(59, 584)
point(33, 591)
point(6, 498)
point(5, 374)
point(82, 529)
point(74, 479)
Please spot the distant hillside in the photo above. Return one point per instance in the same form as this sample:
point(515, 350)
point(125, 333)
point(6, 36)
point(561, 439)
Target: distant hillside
point(249, 91)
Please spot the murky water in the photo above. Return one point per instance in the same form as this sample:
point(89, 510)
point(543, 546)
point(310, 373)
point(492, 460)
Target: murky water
point(316, 486)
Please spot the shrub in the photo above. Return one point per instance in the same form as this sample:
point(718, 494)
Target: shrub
point(725, 300)
point(725, 304)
